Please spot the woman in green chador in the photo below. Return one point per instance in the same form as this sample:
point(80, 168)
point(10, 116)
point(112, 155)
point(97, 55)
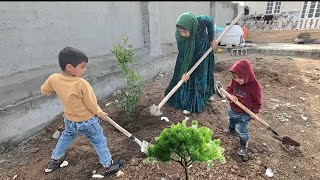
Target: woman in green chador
point(194, 35)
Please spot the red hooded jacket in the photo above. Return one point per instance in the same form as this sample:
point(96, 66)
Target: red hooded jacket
point(249, 93)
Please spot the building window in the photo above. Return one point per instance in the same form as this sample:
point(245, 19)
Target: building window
point(317, 10)
point(277, 7)
point(269, 7)
point(273, 7)
point(304, 8)
point(310, 9)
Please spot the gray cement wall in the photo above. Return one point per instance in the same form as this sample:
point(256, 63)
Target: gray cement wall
point(33, 33)
point(170, 11)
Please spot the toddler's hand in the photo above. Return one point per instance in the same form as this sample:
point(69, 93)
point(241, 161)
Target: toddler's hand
point(233, 98)
point(253, 118)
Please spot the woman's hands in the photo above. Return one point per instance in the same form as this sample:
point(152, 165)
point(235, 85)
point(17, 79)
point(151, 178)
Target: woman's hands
point(214, 44)
point(185, 77)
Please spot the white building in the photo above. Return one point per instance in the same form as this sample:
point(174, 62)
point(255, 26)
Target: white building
point(273, 7)
point(283, 15)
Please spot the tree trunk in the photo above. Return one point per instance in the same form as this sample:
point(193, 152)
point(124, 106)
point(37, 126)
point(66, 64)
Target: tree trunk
point(186, 170)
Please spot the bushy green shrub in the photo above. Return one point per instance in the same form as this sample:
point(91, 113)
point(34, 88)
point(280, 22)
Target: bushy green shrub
point(124, 55)
point(185, 145)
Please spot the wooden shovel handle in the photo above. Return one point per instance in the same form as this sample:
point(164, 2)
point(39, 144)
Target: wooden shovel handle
point(143, 144)
point(253, 115)
point(118, 127)
point(173, 90)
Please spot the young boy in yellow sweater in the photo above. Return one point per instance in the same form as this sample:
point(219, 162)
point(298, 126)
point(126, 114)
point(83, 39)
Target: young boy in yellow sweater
point(81, 111)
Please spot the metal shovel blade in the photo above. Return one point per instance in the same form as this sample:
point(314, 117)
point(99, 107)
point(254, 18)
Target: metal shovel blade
point(287, 140)
point(218, 86)
point(155, 111)
point(143, 145)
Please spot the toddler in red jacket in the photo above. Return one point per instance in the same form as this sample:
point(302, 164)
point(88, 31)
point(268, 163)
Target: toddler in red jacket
point(246, 89)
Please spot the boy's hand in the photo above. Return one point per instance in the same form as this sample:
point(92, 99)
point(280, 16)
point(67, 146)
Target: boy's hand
point(185, 77)
point(104, 118)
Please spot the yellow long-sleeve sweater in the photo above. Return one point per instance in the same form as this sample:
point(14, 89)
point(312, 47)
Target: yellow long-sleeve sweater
point(76, 94)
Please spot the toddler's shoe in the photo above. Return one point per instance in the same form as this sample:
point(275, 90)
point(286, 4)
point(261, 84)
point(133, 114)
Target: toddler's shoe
point(242, 151)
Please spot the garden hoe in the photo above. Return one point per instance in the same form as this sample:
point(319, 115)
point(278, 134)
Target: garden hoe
point(155, 110)
point(143, 144)
point(285, 139)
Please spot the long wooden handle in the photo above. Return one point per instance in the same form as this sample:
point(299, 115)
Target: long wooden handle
point(173, 90)
point(119, 127)
point(253, 115)
point(176, 87)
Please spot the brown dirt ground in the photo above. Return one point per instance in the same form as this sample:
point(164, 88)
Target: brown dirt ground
point(290, 91)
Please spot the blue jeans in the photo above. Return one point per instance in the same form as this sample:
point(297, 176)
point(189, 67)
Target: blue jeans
point(92, 130)
point(238, 122)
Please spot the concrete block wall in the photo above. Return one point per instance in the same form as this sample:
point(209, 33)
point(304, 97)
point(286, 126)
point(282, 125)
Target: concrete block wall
point(33, 33)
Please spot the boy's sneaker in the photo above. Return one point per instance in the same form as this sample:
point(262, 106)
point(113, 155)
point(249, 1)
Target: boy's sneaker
point(242, 151)
point(113, 168)
point(55, 164)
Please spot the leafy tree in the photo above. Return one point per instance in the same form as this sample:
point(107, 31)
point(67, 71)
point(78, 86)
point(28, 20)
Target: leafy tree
point(124, 56)
point(185, 145)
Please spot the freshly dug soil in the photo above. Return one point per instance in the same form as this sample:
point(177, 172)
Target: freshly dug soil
point(290, 105)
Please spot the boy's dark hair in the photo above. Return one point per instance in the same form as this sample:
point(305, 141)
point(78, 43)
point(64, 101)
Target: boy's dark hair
point(73, 56)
